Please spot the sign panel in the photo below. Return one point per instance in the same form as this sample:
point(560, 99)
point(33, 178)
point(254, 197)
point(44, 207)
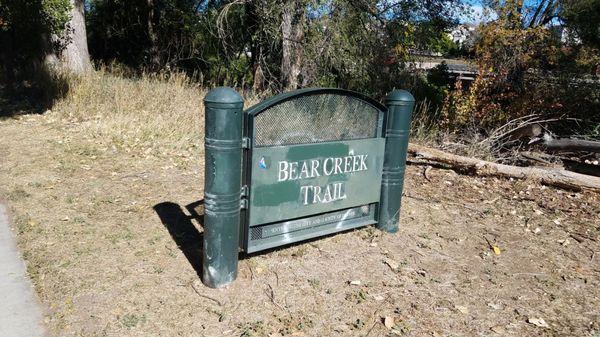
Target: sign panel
point(281, 233)
point(299, 180)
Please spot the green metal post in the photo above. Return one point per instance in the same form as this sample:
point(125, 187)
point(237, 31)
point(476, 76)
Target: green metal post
point(222, 185)
point(400, 105)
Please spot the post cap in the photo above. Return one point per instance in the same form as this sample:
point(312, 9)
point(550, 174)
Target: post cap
point(224, 95)
point(399, 96)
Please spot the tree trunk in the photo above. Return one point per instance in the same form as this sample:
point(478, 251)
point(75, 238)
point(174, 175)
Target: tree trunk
point(553, 177)
point(292, 31)
point(154, 57)
point(75, 56)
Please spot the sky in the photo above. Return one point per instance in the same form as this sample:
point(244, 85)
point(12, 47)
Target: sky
point(483, 14)
point(479, 13)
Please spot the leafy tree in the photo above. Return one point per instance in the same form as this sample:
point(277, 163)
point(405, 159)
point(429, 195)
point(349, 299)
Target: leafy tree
point(269, 44)
point(35, 31)
point(583, 16)
point(25, 30)
point(525, 68)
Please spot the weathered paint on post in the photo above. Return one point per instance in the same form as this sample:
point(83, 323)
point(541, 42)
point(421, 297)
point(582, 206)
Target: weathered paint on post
point(400, 105)
point(222, 185)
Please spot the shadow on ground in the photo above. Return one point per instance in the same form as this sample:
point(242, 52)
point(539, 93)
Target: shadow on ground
point(182, 230)
point(35, 94)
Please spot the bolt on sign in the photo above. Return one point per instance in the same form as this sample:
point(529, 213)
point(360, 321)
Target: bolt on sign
point(297, 166)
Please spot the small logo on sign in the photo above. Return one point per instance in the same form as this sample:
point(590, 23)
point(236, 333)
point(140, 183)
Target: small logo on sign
point(262, 163)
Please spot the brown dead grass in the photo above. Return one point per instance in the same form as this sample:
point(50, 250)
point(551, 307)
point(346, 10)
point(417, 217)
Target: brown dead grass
point(82, 182)
point(150, 113)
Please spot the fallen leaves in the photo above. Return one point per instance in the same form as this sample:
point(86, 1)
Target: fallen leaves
point(391, 263)
point(495, 306)
point(462, 309)
point(389, 322)
point(395, 325)
point(498, 329)
point(496, 250)
point(493, 247)
point(540, 322)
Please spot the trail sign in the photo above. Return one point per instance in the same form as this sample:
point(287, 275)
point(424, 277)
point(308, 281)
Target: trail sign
point(297, 166)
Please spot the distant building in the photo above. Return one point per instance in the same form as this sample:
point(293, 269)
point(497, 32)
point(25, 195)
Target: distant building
point(565, 35)
point(463, 35)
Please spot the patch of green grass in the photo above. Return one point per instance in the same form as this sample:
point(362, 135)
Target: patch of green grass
point(121, 236)
point(294, 325)
point(315, 283)
point(252, 329)
point(25, 224)
point(18, 194)
point(357, 296)
point(357, 324)
point(35, 184)
point(132, 320)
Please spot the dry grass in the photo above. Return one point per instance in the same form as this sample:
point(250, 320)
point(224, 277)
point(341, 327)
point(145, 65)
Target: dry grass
point(150, 113)
point(469, 141)
point(83, 181)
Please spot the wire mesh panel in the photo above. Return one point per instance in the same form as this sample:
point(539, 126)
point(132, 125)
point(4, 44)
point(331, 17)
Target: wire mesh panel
point(316, 118)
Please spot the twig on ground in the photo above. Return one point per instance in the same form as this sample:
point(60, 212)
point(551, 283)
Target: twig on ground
point(530, 274)
point(531, 156)
point(206, 296)
point(271, 295)
point(418, 198)
point(251, 273)
point(374, 315)
point(580, 237)
point(426, 172)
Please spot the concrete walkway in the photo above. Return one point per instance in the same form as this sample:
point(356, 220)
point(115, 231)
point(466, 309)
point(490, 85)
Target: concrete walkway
point(20, 312)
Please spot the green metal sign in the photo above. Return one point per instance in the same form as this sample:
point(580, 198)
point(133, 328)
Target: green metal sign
point(294, 181)
point(297, 166)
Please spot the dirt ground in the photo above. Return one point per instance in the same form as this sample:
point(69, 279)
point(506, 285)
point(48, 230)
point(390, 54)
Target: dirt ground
point(113, 250)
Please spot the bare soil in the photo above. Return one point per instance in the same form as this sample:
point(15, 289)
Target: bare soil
point(112, 244)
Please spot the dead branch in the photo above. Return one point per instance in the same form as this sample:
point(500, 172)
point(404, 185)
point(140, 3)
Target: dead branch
point(206, 296)
point(537, 157)
point(548, 176)
point(569, 144)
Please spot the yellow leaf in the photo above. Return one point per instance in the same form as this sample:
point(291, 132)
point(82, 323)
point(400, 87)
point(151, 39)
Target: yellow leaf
point(389, 322)
point(497, 250)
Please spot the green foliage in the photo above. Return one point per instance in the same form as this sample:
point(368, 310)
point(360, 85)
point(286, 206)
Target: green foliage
point(583, 16)
point(174, 35)
point(355, 44)
point(525, 69)
point(439, 76)
point(26, 31)
point(55, 15)
point(431, 36)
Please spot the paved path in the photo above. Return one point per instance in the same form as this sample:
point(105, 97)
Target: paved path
point(20, 312)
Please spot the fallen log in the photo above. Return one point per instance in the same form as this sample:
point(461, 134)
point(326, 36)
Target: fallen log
point(548, 176)
point(569, 144)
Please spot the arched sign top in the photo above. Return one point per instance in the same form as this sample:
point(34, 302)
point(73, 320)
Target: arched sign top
point(314, 116)
point(278, 99)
